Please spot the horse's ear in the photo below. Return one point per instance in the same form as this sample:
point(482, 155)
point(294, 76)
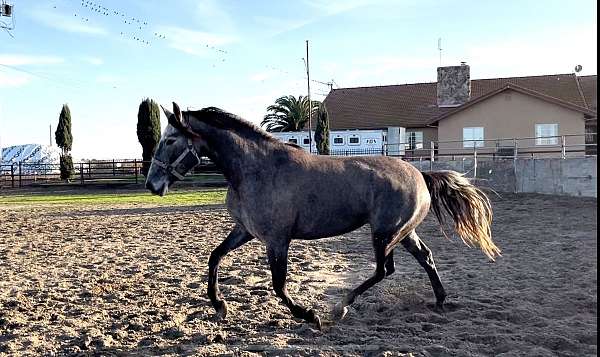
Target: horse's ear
point(171, 118)
point(177, 111)
point(168, 114)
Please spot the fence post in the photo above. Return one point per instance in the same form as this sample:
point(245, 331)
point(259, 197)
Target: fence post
point(515, 155)
point(12, 175)
point(135, 170)
point(113, 167)
point(81, 172)
point(563, 148)
point(475, 162)
point(90, 170)
point(20, 175)
point(432, 153)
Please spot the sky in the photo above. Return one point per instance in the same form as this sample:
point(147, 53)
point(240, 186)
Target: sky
point(103, 58)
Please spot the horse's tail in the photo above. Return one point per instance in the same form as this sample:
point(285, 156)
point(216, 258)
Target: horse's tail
point(468, 206)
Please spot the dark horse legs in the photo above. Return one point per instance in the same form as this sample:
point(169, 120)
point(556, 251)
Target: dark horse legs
point(277, 253)
point(385, 267)
point(235, 239)
point(421, 252)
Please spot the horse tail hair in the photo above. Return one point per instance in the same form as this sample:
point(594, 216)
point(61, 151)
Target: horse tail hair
point(468, 206)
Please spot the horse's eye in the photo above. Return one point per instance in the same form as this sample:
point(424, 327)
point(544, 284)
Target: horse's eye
point(170, 141)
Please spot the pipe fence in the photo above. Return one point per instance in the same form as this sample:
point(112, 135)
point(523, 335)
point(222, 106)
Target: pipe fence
point(20, 174)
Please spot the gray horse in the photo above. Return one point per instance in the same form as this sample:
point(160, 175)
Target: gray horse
point(278, 192)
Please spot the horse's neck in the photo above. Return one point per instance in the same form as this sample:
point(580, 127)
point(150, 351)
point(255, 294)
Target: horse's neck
point(237, 156)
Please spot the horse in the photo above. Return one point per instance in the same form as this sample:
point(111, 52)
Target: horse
point(278, 192)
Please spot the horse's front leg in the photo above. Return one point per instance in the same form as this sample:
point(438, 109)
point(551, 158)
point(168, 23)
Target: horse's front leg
point(277, 253)
point(238, 237)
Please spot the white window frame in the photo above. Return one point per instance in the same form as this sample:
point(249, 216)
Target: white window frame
point(546, 134)
point(470, 139)
point(353, 137)
point(413, 142)
point(338, 137)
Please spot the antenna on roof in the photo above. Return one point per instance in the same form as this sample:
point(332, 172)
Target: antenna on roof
point(440, 49)
point(578, 68)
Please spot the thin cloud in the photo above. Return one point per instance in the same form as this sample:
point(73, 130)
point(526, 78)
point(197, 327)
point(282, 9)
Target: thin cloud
point(14, 80)
point(24, 60)
point(332, 7)
point(192, 42)
point(555, 50)
point(49, 17)
point(96, 61)
point(211, 15)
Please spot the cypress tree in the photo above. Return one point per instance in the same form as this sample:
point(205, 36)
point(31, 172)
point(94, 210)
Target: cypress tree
point(322, 131)
point(64, 140)
point(148, 131)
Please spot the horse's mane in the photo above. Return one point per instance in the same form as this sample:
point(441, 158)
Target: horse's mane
point(221, 119)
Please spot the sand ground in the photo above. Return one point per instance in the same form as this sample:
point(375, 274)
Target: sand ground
point(130, 280)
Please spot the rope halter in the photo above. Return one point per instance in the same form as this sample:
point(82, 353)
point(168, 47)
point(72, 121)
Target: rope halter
point(172, 167)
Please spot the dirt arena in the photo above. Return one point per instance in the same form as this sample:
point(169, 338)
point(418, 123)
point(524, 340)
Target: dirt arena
point(131, 280)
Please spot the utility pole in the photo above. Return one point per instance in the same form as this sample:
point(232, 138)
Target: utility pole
point(309, 103)
point(50, 134)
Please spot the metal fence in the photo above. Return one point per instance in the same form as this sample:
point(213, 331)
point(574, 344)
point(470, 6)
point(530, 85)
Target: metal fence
point(563, 146)
point(129, 171)
point(89, 172)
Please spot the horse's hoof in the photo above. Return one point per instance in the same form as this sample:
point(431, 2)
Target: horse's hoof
point(339, 311)
point(221, 308)
point(439, 308)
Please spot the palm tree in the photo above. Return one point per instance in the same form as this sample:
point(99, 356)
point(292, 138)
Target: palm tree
point(288, 114)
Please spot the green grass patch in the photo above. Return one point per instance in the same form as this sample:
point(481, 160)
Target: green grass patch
point(172, 198)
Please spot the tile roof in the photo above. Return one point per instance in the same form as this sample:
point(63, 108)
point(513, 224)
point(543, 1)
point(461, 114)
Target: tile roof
point(589, 87)
point(415, 105)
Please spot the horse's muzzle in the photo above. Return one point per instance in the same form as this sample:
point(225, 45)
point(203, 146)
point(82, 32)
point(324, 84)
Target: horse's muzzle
point(161, 191)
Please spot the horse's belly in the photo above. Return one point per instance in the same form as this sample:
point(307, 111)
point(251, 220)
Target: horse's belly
point(315, 226)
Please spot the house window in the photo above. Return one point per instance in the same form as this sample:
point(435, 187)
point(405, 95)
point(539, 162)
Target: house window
point(354, 140)
point(546, 134)
point(414, 140)
point(338, 141)
point(473, 137)
point(293, 141)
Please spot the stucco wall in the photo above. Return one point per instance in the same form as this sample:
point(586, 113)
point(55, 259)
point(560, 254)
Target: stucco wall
point(572, 177)
point(429, 135)
point(510, 114)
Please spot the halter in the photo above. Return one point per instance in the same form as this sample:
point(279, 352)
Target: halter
point(172, 167)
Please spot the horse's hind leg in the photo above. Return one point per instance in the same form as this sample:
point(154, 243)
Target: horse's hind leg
point(421, 252)
point(381, 260)
point(277, 253)
point(238, 237)
point(390, 266)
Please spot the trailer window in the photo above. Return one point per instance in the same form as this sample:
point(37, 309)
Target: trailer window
point(306, 141)
point(338, 141)
point(354, 140)
point(293, 141)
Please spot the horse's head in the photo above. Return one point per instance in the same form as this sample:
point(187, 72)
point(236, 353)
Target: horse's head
point(175, 154)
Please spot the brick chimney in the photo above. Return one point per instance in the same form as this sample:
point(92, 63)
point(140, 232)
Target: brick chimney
point(453, 85)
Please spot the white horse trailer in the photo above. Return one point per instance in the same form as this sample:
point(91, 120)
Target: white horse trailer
point(351, 142)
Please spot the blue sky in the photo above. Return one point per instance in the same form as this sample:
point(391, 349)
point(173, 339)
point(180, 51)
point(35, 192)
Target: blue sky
point(242, 55)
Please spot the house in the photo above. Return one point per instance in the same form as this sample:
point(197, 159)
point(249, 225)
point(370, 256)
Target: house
point(461, 115)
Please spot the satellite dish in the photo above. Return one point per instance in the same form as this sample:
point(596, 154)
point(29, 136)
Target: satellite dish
point(578, 68)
